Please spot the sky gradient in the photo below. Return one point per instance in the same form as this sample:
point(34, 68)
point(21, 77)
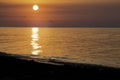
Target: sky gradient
point(59, 1)
point(62, 13)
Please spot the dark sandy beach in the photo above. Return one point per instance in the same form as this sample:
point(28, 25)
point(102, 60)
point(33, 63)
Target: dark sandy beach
point(13, 68)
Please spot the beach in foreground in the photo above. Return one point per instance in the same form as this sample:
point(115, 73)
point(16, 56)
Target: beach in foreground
point(14, 68)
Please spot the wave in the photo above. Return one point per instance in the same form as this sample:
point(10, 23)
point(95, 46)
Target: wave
point(55, 61)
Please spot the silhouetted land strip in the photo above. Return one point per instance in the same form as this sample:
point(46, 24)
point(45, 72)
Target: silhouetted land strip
point(14, 68)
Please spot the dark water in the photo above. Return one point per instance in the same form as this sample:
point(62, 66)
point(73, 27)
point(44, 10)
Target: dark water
point(81, 45)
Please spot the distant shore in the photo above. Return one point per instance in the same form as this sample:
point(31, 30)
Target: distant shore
point(16, 68)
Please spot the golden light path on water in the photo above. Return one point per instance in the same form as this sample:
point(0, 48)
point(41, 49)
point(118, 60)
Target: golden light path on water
point(36, 48)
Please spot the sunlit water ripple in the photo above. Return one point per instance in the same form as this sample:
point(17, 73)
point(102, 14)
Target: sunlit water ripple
point(80, 45)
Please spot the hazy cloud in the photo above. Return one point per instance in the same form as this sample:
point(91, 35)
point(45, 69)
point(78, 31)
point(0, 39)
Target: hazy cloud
point(106, 15)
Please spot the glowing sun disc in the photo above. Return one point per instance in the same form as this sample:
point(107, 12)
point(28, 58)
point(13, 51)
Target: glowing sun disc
point(35, 7)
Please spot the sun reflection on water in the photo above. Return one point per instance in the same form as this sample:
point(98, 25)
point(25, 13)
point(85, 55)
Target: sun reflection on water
point(36, 48)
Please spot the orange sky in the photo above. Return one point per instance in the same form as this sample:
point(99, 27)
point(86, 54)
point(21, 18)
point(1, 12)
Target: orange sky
point(52, 14)
point(59, 1)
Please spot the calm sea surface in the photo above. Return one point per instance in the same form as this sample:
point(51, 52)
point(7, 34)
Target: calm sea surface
point(81, 45)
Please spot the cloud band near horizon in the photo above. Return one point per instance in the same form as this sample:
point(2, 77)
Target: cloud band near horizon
point(61, 15)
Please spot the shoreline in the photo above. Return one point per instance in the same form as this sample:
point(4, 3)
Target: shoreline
point(53, 61)
point(13, 68)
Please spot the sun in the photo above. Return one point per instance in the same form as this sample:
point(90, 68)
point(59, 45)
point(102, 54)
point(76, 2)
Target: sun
point(35, 7)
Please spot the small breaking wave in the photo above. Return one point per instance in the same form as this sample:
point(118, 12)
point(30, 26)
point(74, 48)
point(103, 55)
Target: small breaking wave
point(55, 61)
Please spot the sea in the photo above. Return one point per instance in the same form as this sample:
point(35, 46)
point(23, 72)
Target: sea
point(100, 46)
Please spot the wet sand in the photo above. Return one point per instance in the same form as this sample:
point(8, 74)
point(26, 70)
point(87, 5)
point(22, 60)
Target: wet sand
point(16, 68)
